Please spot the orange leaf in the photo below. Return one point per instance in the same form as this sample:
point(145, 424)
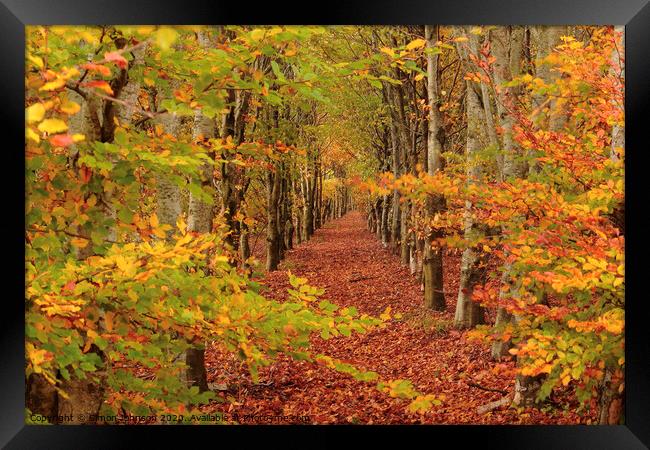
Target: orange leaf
point(153, 221)
point(79, 242)
point(108, 320)
point(102, 85)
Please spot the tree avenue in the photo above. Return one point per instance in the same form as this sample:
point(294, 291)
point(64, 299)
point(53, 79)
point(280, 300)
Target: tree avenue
point(172, 171)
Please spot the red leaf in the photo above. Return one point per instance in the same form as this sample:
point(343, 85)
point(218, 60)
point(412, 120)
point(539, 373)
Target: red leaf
point(97, 68)
point(86, 173)
point(70, 285)
point(117, 58)
point(61, 140)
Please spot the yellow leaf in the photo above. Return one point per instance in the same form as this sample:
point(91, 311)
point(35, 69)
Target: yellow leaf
point(614, 326)
point(92, 201)
point(145, 30)
point(35, 113)
point(78, 137)
point(476, 30)
point(92, 334)
point(37, 60)
point(69, 107)
point(416, 43)
point(52, 126)
point(36, 356)
point(419, 76)
point(31, 134)
point(461, 39)
point(181, 225)
point(127, 266)
point(576, 372)
point(223, 319)
point(388, 51)
point(257, 34)
point(165, 37)
point(53, 85)
point(69, 73)
point(386, 314)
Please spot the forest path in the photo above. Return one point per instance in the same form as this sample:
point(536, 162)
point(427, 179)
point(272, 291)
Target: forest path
point(355, 270)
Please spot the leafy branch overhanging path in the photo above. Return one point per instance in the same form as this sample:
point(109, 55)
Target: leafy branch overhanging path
point(355, 270)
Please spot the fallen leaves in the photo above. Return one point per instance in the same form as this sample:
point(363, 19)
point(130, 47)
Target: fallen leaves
point(411, 348)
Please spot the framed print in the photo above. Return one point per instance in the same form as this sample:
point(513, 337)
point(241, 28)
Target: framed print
point(352, 221)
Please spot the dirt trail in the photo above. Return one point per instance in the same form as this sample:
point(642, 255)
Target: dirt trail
point(355, 270)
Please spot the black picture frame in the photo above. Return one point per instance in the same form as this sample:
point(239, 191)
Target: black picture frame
point(15, 14)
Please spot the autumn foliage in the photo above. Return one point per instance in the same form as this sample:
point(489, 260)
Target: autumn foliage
point(157, 157)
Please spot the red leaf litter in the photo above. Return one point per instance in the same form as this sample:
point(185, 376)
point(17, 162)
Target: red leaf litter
point(422, 346)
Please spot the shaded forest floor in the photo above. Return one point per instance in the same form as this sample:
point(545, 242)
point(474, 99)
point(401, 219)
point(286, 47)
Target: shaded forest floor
point(422, 346)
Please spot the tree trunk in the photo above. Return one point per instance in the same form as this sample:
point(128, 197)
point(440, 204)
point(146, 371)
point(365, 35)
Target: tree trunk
point(611, 404)
point(507, 46)
point(395, 162)
point(385, 206)
point(404, 232)
point(40, 396)
point(84, 398)
point(469, 313)
point(434, 297)
point(200, 216)
point(233, 183)
point(500, 348)
point(308, 193)
point(272, 231)
point(550, 115)
point(618, 130)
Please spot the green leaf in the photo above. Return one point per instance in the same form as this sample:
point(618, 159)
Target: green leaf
point(125, 215)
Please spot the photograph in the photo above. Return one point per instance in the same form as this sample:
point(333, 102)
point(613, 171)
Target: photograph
point(324, 224)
